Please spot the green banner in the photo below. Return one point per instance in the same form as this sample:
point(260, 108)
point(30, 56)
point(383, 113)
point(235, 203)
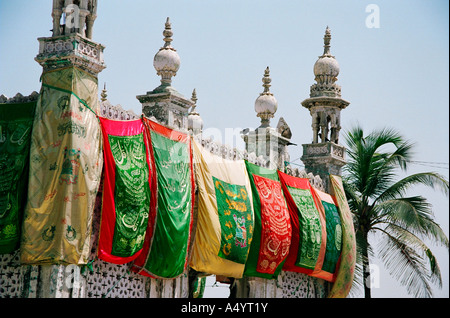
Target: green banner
point(236, 221)
point(334, 237)
point(309, 228)
point(165, 252)
point(16, 121)
point(131, 195)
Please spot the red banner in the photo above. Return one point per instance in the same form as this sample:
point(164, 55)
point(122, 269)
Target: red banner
point(126, 190)
point(276, 229)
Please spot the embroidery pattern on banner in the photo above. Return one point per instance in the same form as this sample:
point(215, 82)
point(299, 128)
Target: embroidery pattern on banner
point(70, 167)
point(334, 237)
point(236, 220)
point(14, 138)
point(168, 253)
point(275, 223)
point(310, 228)
point(131, 195)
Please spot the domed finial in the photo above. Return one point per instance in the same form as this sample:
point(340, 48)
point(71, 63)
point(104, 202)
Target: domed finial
point(103, 94)
point(266, 105)
point(167, 61)
point(326, 41)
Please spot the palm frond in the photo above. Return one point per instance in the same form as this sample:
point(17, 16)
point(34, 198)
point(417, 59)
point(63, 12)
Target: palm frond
point(406, 265)
point(414, 214)
point(418, 245)
point(429, 179)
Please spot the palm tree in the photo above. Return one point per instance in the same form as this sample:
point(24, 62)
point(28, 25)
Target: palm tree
point(380, 206)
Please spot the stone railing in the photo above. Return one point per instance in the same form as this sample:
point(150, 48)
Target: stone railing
point(116, 112)
point(71, 49)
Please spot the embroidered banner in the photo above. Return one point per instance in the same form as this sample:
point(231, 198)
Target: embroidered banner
point(333, 235)
point(126, 190)
point(308, 241)
point(165, 252)
point(225, 215)
point(65, 170)
point(272, 233)
point(16, 121)
point(345, 272)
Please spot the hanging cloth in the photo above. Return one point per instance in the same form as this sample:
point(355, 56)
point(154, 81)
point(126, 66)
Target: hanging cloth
point(330, 264)
point(165, 251)
point(272, 233)
point(126, 190)
point(309, 234)
point(225, 215)
point(16, 121)
point(65, 170)
point(346, 270)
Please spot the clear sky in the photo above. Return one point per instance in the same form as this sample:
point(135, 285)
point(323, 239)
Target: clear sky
point(395, 74)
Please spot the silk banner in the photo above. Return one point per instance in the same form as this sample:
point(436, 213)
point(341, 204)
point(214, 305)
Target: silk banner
point(333, 234)
point(165, 251)
point(272, 232)
point(308, 242)
point(345, 273)
point(65, 170)
point(225, 215)
point(16, 121)
point(126, 190)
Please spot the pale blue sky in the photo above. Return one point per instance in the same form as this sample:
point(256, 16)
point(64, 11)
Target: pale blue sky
point(395, 75)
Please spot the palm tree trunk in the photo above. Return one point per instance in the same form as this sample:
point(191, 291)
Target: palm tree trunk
point(366, 269)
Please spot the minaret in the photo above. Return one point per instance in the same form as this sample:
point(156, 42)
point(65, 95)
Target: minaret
point(65, 169)
point(71, 41)
point(267, 141)
point(324, 155)
point(165, 103)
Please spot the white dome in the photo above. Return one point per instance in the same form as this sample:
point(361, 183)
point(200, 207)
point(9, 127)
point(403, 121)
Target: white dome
point(195, 122)
point(167, 60)
point(327, 66)
point(266, 104)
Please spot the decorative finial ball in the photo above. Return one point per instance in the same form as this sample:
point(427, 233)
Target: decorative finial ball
point(195, 122)
point(166, 60)
point(326, 67)
point(266, 104)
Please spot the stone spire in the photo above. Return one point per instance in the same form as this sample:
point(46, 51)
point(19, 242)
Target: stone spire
point(164, 103)
point(266, 105)
point(167, 60)
point(325, 102)
point(324, 155)
point(195, 122)
point(104, 95)
point(326, 71)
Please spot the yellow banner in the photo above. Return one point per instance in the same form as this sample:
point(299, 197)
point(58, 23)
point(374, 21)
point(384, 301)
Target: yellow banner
point(65, 170)
point(225, 215)
point(345, 273)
